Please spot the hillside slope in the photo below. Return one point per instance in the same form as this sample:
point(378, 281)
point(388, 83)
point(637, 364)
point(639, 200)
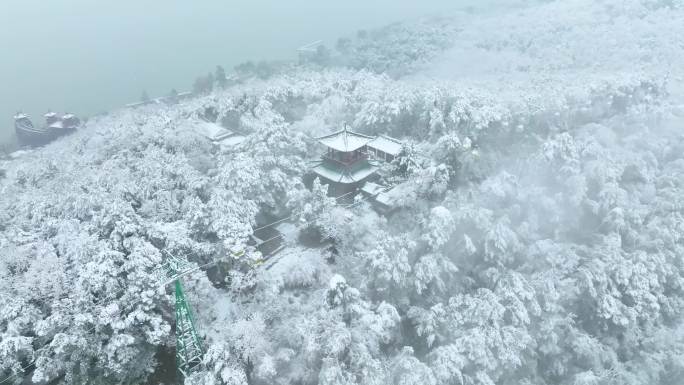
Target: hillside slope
point(538, 237)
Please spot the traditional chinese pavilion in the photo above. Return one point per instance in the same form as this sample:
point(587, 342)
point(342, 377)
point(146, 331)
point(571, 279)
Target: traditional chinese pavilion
point(345, 165)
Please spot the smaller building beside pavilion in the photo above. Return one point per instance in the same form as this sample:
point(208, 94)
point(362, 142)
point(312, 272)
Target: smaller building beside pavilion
point(384, 148)
point(382, 198)
point(216, 133)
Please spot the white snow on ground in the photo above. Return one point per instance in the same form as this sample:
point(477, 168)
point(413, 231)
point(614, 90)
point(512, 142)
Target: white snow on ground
point(289, 232)
point(295, 266)
point(223, 311)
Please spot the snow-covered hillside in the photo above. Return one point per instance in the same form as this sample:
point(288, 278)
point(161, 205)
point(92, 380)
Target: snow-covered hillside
point(538, 237)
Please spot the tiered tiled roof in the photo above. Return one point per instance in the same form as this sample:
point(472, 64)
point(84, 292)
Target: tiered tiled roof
point(345, 140)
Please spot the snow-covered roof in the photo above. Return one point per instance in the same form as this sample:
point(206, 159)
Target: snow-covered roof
point(381, 194)
point(371, 188)
point(388, 197)
point(232, 140)
point(345, 140)
point(58, 124)
point(385, 199)
point(345, 175)
point(212, 131)
point(386, 144)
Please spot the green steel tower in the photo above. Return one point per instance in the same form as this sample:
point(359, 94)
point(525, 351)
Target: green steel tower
point(189, 348)
point(188, 344)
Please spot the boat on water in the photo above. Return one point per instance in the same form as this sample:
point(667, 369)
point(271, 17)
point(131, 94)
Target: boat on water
point(55, 126)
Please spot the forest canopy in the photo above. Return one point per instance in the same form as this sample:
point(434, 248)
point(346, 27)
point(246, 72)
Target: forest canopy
point(538, 236)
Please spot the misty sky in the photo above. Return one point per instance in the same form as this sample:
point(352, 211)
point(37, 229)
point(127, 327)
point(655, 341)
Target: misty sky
point(88, 56)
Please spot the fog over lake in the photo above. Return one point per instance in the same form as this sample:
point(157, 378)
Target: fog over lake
point(87, 56)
